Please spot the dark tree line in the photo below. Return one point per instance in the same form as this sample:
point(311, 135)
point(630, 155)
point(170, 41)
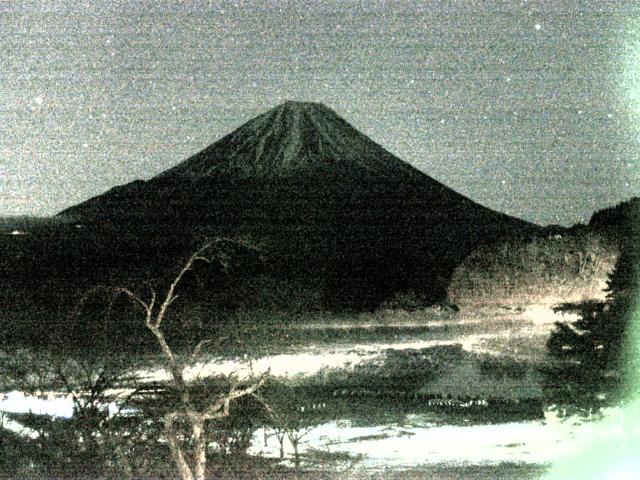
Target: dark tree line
point(601, 348)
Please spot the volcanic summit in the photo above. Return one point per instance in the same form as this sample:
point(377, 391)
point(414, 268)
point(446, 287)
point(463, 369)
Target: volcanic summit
point(292, 139)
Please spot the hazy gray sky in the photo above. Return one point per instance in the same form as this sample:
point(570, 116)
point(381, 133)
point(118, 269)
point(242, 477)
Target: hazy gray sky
point(531, 108)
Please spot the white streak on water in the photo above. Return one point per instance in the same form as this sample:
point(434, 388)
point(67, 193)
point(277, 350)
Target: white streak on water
point(535, 323)
point(313, 360)
point(392, 445)
point(48, 404)
point(543, 315)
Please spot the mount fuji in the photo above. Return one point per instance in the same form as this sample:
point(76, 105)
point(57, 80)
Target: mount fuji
point(332, 207)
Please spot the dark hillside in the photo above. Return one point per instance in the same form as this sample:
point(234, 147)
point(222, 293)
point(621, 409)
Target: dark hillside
point(621, 221)
point(330, 208)
point(340, 223)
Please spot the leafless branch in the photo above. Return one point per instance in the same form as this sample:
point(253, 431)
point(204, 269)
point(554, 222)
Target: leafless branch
point(198, 350)
point(67, 384)
point(170, 296)
point(221, 407)
point(266, 406)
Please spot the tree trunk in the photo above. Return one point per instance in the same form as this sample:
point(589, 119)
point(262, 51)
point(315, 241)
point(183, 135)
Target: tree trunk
point(200, 441)
point(280, 437)
point(176, 450)
point(296, 455)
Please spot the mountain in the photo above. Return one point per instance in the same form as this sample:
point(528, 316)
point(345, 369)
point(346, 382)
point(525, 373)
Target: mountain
point(300, 146)
point(333, 210)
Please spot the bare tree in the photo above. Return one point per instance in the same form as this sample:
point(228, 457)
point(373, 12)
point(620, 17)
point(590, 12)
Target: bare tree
point(288, 419)
point(189, 451)
point(295, 435)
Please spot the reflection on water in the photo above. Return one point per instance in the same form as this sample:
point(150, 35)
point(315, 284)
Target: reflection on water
point(418, 441)
point(374, 433)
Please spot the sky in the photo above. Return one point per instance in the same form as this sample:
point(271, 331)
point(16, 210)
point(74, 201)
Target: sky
point(531, 108)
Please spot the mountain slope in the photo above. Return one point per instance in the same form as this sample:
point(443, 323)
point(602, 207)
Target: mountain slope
point(621, 221)
point(333, 209)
